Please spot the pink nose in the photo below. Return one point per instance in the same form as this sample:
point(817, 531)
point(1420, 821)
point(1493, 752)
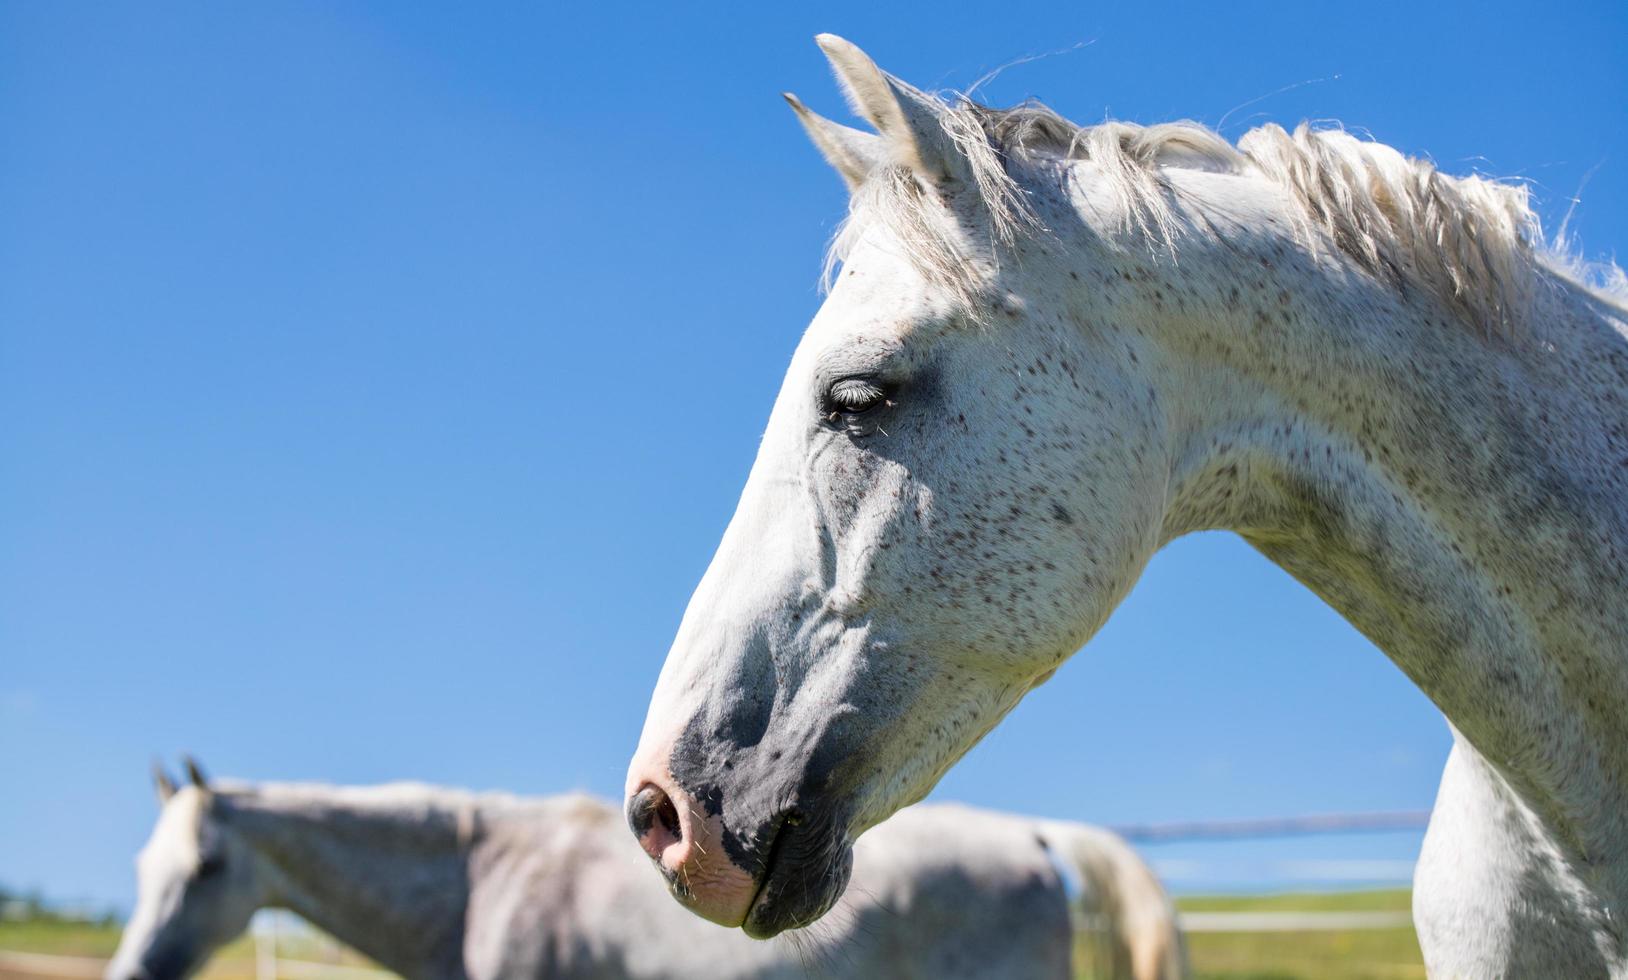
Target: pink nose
point(689, 847)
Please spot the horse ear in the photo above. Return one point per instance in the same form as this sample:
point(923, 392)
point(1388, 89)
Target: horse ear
point(854, 154)
point(162, 784)
point(194, 773)
point(907, 118)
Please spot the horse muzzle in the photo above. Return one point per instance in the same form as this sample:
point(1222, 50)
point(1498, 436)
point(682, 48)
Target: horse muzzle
point(781, 871)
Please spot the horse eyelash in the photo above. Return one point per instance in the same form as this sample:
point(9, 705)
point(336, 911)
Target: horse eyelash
point(854, 391)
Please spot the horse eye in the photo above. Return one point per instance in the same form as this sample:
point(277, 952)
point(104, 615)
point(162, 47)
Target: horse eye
point(853, 396)
point(211, 866)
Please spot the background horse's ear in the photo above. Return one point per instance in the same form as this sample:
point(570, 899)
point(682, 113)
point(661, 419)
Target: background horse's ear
point(907, 118)
point(162, 784)
point(854, 153)
point(194, 773)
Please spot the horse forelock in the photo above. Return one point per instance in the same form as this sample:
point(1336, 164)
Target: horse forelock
point(178, 837)
point(1473, 242)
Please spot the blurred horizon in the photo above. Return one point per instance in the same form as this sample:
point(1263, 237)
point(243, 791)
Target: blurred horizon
point(379, 379)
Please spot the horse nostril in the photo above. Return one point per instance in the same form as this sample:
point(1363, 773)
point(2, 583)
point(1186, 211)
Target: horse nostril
point(654, 820)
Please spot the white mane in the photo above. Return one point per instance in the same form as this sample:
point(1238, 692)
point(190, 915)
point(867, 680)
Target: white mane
point(1473, 242)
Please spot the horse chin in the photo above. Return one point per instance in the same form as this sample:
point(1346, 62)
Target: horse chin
point(807, 873)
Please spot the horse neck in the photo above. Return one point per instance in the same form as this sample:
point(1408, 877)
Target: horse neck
point(382, 870)
point(1461, 499)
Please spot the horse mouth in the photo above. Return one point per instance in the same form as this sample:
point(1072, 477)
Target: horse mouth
point(804, 874)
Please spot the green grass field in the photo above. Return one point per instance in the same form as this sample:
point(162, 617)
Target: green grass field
point(1378, 954)
point(62, 938)
point(235, 962)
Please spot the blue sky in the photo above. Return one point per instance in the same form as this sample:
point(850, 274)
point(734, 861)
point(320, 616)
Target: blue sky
point(377, 380)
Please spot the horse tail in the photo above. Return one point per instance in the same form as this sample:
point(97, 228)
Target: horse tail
point(1124, 923)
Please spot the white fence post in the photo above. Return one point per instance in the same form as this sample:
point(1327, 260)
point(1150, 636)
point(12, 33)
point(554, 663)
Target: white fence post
point(265, 944)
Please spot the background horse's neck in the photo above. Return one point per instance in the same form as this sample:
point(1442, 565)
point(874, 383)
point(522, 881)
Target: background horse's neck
point(382, 869)
point(1461, 499)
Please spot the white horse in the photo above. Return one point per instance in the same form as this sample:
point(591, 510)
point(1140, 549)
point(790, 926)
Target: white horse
point(439, 883)
point(1050, 350)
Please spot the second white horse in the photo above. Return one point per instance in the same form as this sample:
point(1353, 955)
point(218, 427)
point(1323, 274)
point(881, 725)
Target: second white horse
point(439, 883)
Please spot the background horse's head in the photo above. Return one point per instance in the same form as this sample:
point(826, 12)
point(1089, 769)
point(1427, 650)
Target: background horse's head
point(197, 886)
point(963, 473)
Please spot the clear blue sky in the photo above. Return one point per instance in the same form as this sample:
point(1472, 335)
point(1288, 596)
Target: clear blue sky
point(376, 380)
